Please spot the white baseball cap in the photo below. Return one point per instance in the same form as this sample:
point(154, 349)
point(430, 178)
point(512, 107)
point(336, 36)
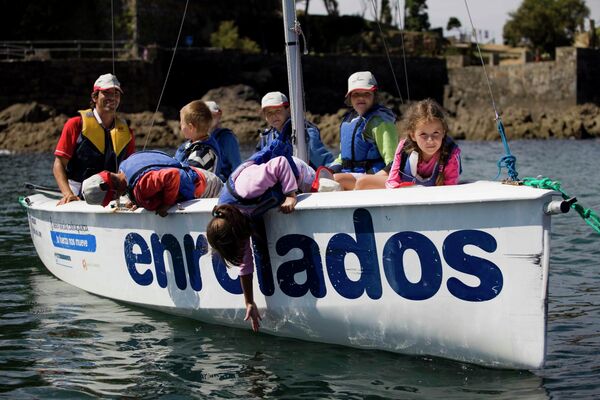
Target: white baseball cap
point(107, 81)
point(274, 99)
point(363, 80)
point(212, 106)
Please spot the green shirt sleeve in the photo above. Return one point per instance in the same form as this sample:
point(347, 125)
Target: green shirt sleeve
point(385, 136)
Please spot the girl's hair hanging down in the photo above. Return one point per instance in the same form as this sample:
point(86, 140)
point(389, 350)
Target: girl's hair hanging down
point(425, 111)
point(227, 231)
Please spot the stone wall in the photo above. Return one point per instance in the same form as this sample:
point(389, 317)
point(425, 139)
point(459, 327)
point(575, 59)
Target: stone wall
point(66, 84)
point(536, 100)
point(574, 78)
point(538, 87)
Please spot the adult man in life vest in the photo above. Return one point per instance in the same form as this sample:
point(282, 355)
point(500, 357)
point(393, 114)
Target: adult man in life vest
point(93, 141)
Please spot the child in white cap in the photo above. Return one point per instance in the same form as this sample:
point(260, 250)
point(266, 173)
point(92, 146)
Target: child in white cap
point(368, 136)
point(226, 139)
point(93, 141)
point(275, 109)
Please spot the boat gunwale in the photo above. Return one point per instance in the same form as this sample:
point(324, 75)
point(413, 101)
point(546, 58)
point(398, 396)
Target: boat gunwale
point(483, 192)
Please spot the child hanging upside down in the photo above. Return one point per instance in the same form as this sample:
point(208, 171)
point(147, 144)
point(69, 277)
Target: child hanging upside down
point(270, 178)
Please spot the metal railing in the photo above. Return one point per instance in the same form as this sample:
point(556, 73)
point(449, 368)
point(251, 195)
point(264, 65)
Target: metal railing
point(51, 49)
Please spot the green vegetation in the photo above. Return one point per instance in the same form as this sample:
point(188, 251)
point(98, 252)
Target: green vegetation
point(453, 23)
point(227, 37)
point(386, 12)
point(416, 18)
point(543, 25)
point(331, 6)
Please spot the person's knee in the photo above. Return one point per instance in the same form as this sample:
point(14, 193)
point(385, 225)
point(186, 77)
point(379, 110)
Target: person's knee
point(361, 184)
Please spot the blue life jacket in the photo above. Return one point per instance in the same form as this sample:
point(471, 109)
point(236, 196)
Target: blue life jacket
point(273, 196)
point(266, 137)
point(317, 153)
point(279, 146)
point(230, 150)
point(204, 148)
point(151, 160)
point(359, 154)
point(407, 175)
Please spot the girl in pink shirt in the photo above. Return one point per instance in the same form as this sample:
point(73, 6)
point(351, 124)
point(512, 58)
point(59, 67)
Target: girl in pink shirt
point(428, 156)
point(251, 190)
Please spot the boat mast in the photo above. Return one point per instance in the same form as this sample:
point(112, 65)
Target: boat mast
point(295, 83)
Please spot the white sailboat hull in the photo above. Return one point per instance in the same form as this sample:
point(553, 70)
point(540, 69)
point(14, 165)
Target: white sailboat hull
point(459, 272)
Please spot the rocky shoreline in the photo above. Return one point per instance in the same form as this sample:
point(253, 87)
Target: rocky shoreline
point(35, 128)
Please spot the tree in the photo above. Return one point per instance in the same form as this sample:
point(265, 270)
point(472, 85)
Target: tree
point(331, 6)
point(415, 15)
point(453, 23)
point(386, 12)
point(542, 25)
point(227, 37)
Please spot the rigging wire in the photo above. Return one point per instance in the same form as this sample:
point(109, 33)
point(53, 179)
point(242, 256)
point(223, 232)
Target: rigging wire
point(508, 160)
point(487, 78)
point(167, 77)
point(387, 53)
point(401, 27)
point(112, 26)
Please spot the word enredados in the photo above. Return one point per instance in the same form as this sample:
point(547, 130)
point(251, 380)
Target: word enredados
point(139, 253)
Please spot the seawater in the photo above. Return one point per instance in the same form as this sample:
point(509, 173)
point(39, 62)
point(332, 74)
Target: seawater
point(57, 341)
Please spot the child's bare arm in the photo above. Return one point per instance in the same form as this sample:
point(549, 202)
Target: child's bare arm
point(288, 204)
point(251, 309)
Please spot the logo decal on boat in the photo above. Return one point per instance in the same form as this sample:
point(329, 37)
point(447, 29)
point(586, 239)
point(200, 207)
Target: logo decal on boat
point(346, 282)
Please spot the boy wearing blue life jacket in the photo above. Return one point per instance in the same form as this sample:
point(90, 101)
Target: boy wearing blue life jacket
point(226, 139)
point(275, 109)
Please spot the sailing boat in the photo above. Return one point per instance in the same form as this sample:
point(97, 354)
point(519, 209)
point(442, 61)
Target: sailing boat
point(459, 272)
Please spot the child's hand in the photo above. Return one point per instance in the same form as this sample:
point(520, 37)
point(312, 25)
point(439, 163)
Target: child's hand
point(288, 204)
point(162, 210)
point(253, 315)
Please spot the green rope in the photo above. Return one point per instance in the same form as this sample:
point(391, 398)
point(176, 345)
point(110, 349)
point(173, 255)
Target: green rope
point(588, 215)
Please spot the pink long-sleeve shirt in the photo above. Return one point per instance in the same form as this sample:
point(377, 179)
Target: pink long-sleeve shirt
point(253, 181)
point(425, 168)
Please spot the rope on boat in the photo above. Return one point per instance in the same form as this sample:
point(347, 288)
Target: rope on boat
point(508, 160)
point(588, 215)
